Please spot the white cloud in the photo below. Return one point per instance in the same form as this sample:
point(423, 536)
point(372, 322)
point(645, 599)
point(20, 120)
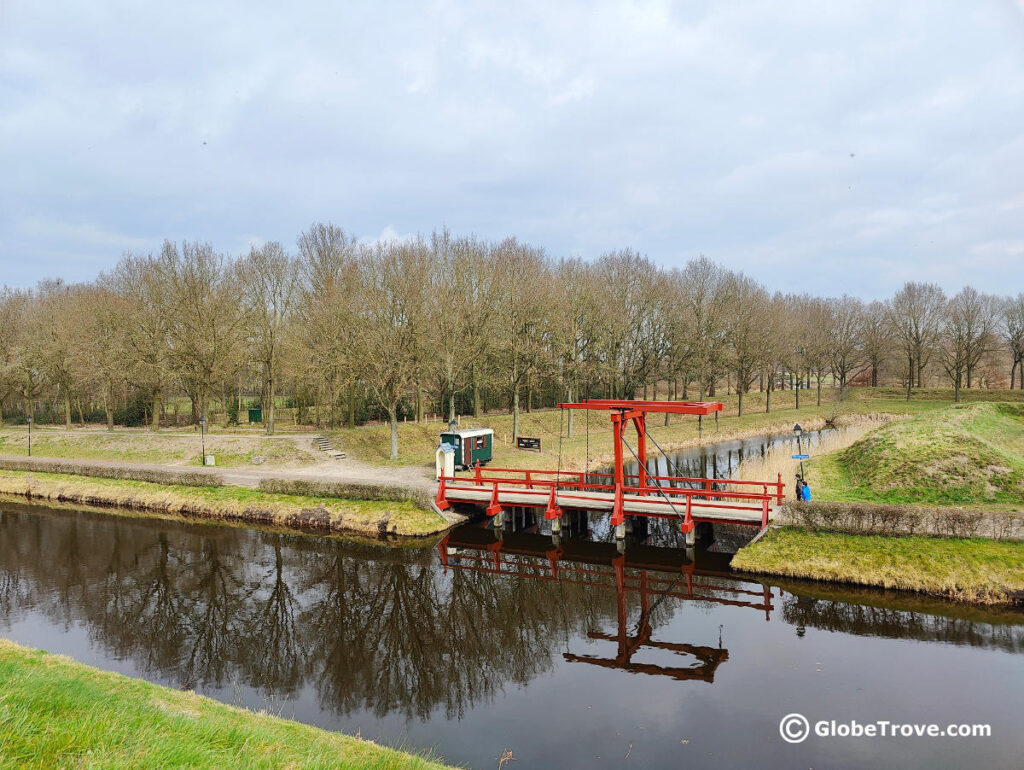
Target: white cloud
point(759, 134)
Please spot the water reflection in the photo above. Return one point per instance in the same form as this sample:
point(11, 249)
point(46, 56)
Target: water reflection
point(443, 636)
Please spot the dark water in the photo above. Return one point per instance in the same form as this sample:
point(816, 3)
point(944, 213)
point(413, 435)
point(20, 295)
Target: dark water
point(570, 658)
point(720, 460)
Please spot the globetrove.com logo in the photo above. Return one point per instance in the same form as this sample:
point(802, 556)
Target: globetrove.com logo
point(795, 728)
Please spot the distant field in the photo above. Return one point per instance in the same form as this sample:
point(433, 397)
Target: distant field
point(242, 446)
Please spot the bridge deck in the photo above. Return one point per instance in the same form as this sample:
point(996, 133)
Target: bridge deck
point(652, 504)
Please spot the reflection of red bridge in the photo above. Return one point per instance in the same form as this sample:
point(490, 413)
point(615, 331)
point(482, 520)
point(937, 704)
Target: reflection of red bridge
point(601, 565)
point(689, 500)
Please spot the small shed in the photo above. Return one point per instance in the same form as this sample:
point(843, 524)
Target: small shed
point(472, 446)
point(255, 415)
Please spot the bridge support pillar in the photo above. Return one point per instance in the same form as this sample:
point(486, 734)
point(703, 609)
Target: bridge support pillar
point(691, 538)
point(620, 531)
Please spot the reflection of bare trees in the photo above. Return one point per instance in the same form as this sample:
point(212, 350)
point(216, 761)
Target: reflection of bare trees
point(898, 623)
point(366, 627)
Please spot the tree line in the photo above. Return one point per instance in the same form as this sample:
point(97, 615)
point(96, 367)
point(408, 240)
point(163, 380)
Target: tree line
point(348, 331)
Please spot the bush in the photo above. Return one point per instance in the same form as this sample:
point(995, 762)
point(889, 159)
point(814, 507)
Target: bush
point(881, 519)
point(347, 491)
point(188, 478)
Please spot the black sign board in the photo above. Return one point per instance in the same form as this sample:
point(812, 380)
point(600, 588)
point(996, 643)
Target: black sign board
point(528, 443)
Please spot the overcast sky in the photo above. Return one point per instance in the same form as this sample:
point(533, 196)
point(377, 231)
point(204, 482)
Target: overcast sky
point(825, 147)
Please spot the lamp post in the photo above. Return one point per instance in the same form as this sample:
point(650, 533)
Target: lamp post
point(202, 433)
point(30, 435)
point(798, 432)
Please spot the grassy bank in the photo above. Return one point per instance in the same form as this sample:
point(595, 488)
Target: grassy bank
point(232, 503)
point(418, 442)
point(975, 570)
point(55, 712)
point(167, 447)
point(964, 455)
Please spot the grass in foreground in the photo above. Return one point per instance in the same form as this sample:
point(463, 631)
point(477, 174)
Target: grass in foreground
point(224, 502)
point(976, 570)
point(55, 712)
point(960, 455)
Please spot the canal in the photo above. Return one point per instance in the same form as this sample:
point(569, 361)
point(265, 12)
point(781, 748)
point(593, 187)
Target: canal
point(658, 657)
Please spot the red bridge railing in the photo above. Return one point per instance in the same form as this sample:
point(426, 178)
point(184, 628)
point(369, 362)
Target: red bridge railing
point(549, 489)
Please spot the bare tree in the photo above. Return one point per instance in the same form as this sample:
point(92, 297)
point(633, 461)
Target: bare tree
point(205, 318)
point(877, 337)
point(327, 314)
point(394, 288)
point(269, 282)
point(521, 320)
point(915, 314)
point(1013, 334)
point(750, 328)
point(140, 281)
point(845, 338)
point(968, 333)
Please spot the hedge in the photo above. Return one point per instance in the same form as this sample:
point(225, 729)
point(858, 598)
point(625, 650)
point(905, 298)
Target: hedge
point(348, 491)
point(188, 478)
point(879, 519)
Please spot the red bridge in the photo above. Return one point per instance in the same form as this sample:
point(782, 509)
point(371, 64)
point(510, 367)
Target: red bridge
point(690, 500)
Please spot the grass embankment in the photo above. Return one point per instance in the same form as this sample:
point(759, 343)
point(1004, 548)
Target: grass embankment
point(964, 455)
point(981, 571)
point(366, 517)
point(167, 447)
point(417, 442)
point(55, 712)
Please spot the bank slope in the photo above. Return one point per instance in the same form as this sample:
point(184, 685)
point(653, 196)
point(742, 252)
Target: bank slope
point(976, 570)
point(55, 712)
point(966, 455)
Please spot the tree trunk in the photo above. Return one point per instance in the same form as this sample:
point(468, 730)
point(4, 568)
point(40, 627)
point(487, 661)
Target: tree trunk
point(451, 404)
point(956, 388)
point(515, 414)
point(67, 409)
point(910, 375)
point(768, 401)
point(819, 388)
point(81, 415)
point(393, 419)
point(157, 408)
point(108, 405)
point(351, 405)
point(970, 376)
point(271, 399)
point(1013, 376)
point(739, 393)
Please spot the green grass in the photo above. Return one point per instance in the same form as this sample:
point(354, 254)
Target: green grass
point(982, 571)
point(55, 712)
point(417, 442)
point(962, 455)
point(230, 502)
point(169, 447)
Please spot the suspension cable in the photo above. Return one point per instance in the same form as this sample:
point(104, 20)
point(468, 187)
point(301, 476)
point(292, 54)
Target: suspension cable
point(660, 490)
